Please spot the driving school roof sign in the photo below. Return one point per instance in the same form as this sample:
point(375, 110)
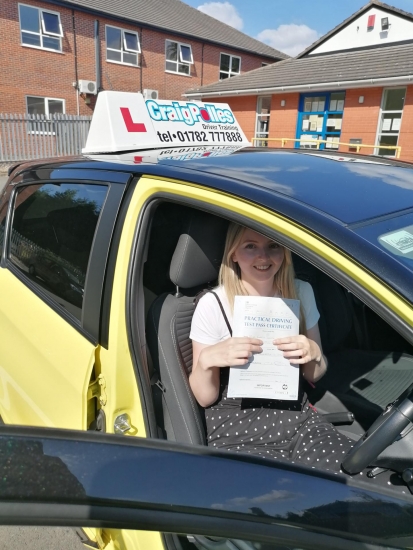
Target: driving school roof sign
point(124, 121)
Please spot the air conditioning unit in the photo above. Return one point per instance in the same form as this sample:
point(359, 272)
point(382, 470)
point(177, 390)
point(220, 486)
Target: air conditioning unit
point(87, 87)
point(150, 94)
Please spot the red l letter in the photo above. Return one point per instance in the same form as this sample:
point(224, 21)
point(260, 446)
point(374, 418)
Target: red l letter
point(130, 125)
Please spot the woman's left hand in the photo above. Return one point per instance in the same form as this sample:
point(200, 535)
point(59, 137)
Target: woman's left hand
point(299, 349)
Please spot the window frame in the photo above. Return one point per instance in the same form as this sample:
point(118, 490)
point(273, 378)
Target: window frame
point(383, 112)
point(179, 60)
point(259, 117)
point(42, 29)
point(46, 100)
point(229, 73)
point(123, 49)
point(46, 115)
point(89, 325)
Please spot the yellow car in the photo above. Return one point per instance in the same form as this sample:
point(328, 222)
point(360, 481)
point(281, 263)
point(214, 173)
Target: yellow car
point(102, 256)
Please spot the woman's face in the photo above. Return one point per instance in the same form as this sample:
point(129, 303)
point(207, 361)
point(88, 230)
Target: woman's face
point(258, 257)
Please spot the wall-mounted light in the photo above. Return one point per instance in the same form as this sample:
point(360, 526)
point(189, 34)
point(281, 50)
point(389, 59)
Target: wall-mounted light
point(361, 98)
point(385, 23)
point(283, 103)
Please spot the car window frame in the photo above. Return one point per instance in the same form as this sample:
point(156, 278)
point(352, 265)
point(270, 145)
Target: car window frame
point(186, 514)
point(89, 323)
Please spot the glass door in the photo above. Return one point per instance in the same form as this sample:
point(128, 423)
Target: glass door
point(390, 120)
point(262, 126)
point(320, 118)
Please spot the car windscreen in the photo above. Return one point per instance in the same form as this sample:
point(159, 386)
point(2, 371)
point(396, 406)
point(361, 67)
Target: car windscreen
point(394, 235)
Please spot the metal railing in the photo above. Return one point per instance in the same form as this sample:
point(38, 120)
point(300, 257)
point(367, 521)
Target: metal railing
point(317, 143)
point(27, 137)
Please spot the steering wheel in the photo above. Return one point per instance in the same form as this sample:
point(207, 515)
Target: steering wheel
point(382, 433)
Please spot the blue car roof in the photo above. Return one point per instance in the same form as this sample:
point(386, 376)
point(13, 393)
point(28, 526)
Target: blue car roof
point(351, 190)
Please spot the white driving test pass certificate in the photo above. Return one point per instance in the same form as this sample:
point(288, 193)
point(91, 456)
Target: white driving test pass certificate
point(268, 375)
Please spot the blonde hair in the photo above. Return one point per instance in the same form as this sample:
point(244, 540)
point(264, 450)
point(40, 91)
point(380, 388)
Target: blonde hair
point(230, 273)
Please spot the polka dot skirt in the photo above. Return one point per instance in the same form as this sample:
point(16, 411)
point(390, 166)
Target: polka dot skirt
point(289, 430)
point(296, 434)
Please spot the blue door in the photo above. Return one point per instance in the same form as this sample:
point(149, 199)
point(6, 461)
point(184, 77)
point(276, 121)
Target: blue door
point(320, 117)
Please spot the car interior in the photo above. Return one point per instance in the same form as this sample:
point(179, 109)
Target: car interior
point(370, 364)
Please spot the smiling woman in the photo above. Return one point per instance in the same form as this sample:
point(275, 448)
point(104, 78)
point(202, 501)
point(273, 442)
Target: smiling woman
point(255, 265)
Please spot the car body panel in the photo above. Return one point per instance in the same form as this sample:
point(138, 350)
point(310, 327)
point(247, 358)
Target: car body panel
point(47, 368)
point(339, 189)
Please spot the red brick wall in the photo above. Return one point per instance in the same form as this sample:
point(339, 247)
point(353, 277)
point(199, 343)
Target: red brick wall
point(244, 109)
point(30, 71)
point(360, 119)
point(37, 72)
point(283, 120)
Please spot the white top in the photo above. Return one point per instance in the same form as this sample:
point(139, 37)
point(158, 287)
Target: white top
point(209, 326)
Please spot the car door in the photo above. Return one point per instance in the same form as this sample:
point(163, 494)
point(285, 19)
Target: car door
point(55, 243)
point(157, 485)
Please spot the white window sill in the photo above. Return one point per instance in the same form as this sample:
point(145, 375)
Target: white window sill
point(229, 76)
point(42, 49)
point(178, 74)
point(41, 133)
point(121, 63)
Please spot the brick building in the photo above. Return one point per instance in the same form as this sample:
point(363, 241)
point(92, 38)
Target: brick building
point(55, 52)
point(352, 87)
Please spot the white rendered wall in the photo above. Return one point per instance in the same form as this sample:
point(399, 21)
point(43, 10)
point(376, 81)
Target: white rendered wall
point(356, 35)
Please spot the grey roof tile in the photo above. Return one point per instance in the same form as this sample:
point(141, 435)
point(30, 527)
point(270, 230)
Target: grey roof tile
point(383, 62)
point(176, 16)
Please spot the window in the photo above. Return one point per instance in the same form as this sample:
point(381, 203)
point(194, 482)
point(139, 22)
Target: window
point(44, 106)
point(40, 28)
point(229, 65)
point(51, 237)
point(122, 46)
point(390, 120)
point(262, 127)
point(41, 109)
point(178, 57)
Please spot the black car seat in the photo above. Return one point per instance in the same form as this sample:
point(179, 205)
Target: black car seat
point(195, 264)
point(363, 380)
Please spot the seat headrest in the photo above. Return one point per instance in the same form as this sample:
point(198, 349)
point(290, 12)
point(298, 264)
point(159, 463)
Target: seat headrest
point(198, 254)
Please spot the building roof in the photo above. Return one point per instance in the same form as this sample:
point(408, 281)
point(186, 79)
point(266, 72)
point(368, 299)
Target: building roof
point(351, 69)
point(338, 28)
point(177, 17)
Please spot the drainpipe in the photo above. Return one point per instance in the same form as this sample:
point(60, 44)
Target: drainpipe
point(202, 65)
point(97, 56)
point(76, 83)
point(141, 63)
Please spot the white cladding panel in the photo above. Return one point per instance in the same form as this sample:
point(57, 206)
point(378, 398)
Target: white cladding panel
point(356, 34)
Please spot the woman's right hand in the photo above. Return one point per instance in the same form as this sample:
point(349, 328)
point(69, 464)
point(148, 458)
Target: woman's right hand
point(207, 360)
point(230, 352)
